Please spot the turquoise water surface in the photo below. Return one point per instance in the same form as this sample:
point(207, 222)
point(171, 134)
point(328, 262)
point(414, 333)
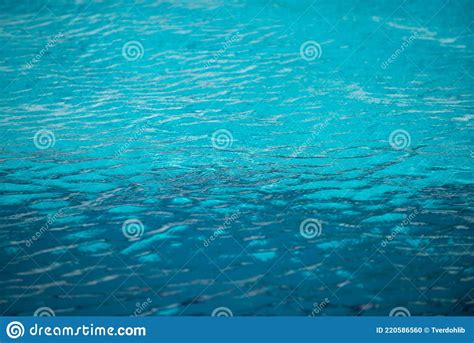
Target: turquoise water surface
point(236, 157)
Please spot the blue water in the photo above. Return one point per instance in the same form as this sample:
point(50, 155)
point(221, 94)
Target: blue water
point(139, 132)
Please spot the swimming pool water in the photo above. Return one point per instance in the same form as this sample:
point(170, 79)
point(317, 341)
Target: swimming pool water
point(236, 157)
